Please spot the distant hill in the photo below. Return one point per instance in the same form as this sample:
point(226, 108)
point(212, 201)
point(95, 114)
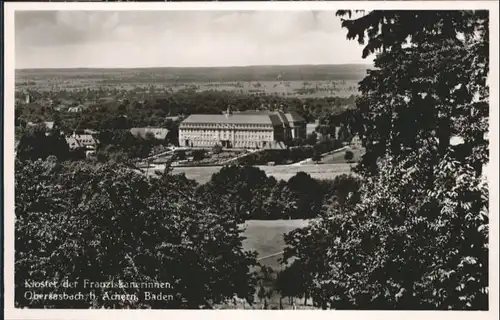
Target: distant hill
point(207, 74)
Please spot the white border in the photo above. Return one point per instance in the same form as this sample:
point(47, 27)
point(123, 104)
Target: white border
point(9, 80)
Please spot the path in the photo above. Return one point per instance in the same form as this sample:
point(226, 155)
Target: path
point(271, 255)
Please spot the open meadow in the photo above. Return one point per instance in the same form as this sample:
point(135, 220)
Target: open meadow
point(267, 238)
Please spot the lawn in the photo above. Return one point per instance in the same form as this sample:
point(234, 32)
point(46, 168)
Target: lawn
point(339, 157)
point(266, 237)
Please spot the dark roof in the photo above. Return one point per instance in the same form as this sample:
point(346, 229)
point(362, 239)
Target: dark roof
point(248, 116)
point(283, 119)
point(232, 119)
point(293, 116)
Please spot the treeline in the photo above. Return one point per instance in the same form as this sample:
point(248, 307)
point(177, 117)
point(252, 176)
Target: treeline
point(38, 142)
point(306, 149)
point(122, 145)
point(143, 108)
point(246, 192)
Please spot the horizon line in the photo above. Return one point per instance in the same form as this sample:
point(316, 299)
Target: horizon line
point(192, 67)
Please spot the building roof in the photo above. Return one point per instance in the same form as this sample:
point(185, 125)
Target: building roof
point(173, 118)
point(293, 116)
point(237, 118)
point(49, 124)
point(72, 142)
point(248, 116)
point(84, 138)
point(255, 112)
point(90, 131)
point(283, 119)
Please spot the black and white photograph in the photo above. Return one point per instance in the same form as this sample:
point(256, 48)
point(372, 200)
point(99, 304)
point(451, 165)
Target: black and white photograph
point(252, 159)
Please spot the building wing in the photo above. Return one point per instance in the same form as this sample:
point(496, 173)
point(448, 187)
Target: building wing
point(293, 116)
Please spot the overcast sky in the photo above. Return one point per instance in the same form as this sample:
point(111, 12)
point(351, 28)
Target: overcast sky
point(106, 39)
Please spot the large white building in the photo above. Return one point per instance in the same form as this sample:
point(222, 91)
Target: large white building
point(248, 129)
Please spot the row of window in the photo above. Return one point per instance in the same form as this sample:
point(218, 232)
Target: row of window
point(224, 125)
point(238, 144)
point(237, 138)
point(213, 134)
point(223, 130)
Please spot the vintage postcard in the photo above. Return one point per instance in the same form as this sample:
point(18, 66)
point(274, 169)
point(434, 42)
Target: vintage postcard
point(172, 157)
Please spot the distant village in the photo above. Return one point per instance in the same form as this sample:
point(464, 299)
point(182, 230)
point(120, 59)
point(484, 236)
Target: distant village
point(247, 130)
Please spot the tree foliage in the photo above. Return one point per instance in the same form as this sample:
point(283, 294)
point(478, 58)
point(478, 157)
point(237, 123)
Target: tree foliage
point(38, 143)
point(416, 237)
point(348, 155)
point(109, 223)
point(246, 192)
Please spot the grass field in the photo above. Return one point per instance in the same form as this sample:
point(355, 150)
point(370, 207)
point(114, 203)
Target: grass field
point(318, 171)
point(338, 157)
point(266, 237)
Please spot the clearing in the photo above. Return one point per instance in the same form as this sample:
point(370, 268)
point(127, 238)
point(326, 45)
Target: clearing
point(266, 237)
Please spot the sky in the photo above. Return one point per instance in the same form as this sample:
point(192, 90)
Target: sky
point(128, 39)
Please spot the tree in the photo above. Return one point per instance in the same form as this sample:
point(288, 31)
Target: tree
point(344, 135)
point(312, 138)
point(261, 293)
point(317, 156)
point(342, 188)
point(426, 92)
point(291, 281)
point(239, 190)
point(38, 143)
point(306, 194)
point(106, 223)
point(280, 203)
point(348, 156)
point(423, 206)
point(198, 154)
point(181, 154)
point(217, 149)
